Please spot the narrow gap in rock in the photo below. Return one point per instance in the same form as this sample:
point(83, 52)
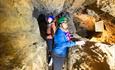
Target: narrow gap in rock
point(42, 25)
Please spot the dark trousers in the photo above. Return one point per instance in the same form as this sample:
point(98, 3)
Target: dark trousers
point(58, 62)
point(49, 48)
point(50, 44)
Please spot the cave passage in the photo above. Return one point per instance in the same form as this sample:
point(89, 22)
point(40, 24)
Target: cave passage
point(42, 25)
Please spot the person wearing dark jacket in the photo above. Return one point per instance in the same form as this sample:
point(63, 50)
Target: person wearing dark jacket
point(51, 28)
point(61, 43)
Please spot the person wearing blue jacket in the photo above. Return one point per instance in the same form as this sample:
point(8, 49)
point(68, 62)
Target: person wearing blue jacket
point(61, 43)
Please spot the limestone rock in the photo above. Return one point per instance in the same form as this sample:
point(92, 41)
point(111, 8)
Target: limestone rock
point(87, 21)
point(21, 47)
point(56, 6)
point(92, 15)
point(108, 35)
point(92, 56)
point(48, 6)
point(107, 6)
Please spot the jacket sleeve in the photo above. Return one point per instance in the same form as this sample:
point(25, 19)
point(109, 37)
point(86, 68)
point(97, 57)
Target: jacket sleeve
point(62, 41)
point(68, 44)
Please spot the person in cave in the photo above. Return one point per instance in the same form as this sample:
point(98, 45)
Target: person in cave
point(51, 28)
point(62, 41)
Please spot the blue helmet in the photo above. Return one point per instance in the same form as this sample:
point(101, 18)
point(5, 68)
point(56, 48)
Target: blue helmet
point(52, 17)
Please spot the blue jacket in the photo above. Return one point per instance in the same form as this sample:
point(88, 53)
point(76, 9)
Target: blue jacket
point(61, 43)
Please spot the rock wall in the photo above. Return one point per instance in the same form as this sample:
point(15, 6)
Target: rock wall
point(56, 6)
point(48, 6)
point(94, 13)
point(21, 47)
point(107, 6)
point(92, 56)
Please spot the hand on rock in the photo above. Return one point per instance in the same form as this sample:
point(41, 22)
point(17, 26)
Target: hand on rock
point(80, 42)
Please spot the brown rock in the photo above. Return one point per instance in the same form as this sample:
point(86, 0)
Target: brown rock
point(86, 21)
point(21, 47)
point(92, 56)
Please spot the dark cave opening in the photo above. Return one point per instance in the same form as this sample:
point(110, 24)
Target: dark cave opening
point(42, 25)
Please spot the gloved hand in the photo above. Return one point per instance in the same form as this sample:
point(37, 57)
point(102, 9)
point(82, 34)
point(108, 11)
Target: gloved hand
point(80, 42)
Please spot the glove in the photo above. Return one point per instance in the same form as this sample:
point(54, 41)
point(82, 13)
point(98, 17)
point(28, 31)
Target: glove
point(80, 42)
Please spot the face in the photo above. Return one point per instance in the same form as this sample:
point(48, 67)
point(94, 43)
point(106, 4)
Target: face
point(64, 25)
point(50, 20)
